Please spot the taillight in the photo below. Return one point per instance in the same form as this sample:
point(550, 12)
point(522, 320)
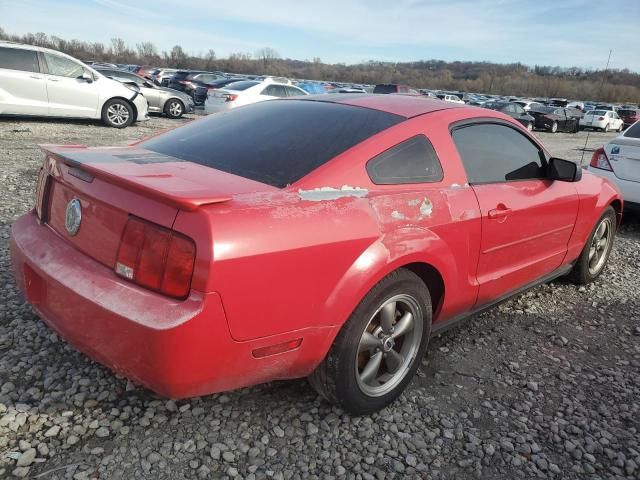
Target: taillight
point(230, 97)
point(156, 258)
point(41, 189)
point(600, 160)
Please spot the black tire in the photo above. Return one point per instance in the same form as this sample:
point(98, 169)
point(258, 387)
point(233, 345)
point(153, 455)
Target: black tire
point(606, 128)
point(621, 128)
point(174, 108)
point(110, 115)
point(336, 380)
point(581, 273)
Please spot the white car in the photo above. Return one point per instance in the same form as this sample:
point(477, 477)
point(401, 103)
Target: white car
point(450, 98)
point(528, 104)
point(619, 161)
point(605, 120)
point(41, 82)
point(246, 92)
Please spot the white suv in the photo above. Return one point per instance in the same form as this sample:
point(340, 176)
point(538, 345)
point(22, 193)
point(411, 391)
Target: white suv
point(45, 83)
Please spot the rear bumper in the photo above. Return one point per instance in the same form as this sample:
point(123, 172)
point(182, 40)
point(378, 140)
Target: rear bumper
point(176, 348)
point(210, 107)
point(630, 190)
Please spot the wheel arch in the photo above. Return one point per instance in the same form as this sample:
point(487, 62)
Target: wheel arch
point(131, 104)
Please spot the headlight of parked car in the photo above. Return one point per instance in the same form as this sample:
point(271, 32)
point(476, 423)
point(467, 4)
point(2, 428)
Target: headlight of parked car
point(132, 86)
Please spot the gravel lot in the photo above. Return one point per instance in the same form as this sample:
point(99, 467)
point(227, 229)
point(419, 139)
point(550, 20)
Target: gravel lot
point(545, 386)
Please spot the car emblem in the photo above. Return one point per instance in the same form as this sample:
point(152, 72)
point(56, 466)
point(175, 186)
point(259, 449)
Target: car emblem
point(615, 149)
point(73, 217)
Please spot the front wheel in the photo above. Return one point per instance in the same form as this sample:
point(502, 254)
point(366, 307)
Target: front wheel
point(530, 126)
point(606, 128)
point(554, 127)
point(378, 350)
point(174, 108)
point(117, 113)
point(621, 127)
point(595, 254)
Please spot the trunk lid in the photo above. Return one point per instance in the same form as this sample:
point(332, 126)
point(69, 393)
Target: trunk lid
point(624, 156)
point(112, 183)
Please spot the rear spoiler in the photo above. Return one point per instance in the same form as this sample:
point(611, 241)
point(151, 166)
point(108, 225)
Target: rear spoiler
point(150, 185)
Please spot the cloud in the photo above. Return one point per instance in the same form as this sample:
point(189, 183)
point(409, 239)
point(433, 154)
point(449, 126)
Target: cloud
point(548, 32)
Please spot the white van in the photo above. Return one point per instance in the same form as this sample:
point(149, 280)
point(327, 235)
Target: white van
point(41, 82)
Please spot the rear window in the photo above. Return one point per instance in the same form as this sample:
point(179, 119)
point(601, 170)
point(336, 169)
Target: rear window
point(385, 89)
point(276, 142)
point(242, 85)
point(19, 59)
point(626, 112)
point(633, 131)
point(597, 112)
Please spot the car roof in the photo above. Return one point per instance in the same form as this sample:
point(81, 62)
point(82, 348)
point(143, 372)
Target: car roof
point(404, 105)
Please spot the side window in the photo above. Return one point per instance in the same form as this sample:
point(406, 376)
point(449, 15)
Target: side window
point(274, 91)
point(63, 67)
point(494, 153)
point(19, 59)
point(519, 110)
point(412, 161)
point(510, 108)
point(633, 131)
point(293, 92)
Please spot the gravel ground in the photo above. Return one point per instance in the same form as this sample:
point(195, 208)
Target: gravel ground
point(545, 386)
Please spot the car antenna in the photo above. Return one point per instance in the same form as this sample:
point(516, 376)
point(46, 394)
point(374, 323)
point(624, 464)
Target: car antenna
point(604, 77)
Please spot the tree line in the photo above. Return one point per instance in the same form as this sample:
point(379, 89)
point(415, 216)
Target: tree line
point(483, 77)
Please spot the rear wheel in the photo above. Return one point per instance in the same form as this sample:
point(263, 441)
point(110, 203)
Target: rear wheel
point(117, 113)
point(174, 108)
point(378, 350)
point(554, 127)
point(596, 251)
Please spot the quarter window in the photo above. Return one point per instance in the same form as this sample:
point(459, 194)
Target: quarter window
point(412, 161)
point(19, 59)
point(494, 153)
point(63, 67)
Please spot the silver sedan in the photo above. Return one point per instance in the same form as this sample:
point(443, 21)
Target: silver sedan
point(161, 99)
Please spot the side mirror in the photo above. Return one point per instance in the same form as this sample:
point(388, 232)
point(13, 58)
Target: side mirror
point(564, 170)
point(86, 77)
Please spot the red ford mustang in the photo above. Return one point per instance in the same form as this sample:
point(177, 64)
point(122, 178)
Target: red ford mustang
point(326, 237)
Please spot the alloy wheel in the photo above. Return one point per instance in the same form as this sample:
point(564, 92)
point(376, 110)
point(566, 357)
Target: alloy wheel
point(600, 246)
point(175, 108)
point(118, 114)
point(388, 345)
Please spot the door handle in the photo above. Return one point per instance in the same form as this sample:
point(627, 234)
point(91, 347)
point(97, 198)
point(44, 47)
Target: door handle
point(35, 77)
point(499, 212)
point(54, 80)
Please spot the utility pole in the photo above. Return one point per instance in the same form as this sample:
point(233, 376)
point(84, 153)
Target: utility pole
point(604, 76)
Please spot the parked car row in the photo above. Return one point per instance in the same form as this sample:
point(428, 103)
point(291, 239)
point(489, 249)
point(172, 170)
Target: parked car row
point(83, 90)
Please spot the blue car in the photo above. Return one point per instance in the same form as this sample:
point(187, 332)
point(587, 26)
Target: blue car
point(312, 88)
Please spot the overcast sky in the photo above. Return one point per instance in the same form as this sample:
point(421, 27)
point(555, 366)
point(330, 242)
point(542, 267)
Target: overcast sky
point(543, 32)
